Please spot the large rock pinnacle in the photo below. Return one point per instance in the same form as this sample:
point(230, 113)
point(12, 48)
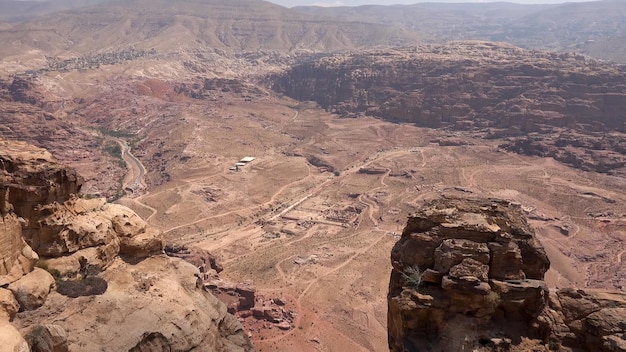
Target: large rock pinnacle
point(468, 276)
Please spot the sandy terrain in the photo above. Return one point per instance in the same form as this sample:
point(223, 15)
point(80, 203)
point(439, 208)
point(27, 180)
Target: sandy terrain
point(321, 240)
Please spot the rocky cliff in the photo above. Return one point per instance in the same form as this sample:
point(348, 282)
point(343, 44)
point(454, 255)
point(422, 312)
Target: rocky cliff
point(496, 89)
point(91, 276)
point(468, 276)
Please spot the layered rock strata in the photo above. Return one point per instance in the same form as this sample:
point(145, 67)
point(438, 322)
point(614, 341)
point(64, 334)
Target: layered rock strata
point(496, 89)
point(468, 276)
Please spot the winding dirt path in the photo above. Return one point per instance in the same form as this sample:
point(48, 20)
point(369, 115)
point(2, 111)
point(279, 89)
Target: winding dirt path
point(134, 179)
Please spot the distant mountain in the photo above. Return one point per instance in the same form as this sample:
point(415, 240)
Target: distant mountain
point(237, 25)
point(91, 26)
point(21, 10)
point(564, 27)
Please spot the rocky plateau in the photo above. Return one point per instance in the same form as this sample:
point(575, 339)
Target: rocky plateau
point(565, 106)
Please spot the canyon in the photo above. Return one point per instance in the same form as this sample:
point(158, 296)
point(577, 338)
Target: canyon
point(359, 130)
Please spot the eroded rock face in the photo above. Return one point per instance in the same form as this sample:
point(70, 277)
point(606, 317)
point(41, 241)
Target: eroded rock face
point(33, 178)
point(468, 275)
point(16, 257)
point(92, 232)
point(110, 272)
point(494, 89)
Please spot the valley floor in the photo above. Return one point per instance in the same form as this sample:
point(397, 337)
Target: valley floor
point(321, 240)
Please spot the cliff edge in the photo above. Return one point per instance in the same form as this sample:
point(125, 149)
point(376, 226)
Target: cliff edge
point(83, 274)
point(468, 276)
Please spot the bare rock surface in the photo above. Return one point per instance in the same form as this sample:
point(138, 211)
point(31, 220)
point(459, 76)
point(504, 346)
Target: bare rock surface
point(83, 232)
point(32, 289)
point(10, 338)
point(8, 304)
point(202, 259)
point(34, 178)
point(468, 275)
point(16, 257)
point(156, 301)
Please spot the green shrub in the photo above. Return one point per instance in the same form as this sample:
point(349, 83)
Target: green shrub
point(412, 276)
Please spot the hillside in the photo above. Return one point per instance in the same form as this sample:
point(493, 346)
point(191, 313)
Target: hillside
point(239, 26)
point(564, 27)
point(22, 10)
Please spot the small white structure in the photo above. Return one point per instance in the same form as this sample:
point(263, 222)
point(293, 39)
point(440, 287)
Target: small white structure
point(240, 164)
point(247, 159)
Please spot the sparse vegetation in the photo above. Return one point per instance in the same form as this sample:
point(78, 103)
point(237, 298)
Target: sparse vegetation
point(116, 133)
point(119, 192)
point(493, 300)
point(113, 149)
point(412, 276)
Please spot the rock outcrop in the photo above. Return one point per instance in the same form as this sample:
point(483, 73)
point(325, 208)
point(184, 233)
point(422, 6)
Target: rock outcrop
point(468, 275)
point(16, 257)
point(154, 305)
point(146, 301)
point(494, 89)
point(32, 178)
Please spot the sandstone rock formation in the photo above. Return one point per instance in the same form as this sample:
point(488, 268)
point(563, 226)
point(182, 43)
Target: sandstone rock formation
point(32, 289)
point(468, 276)
point(154, 305)
point(495, 89)
point(47, 338)
point(32, 179)
point(16, 257)
point(146, 301)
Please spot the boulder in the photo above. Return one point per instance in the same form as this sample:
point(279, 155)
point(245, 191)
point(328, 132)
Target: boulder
point(10, 338)
point(8, 305)
point(95, 231)
point(32, 289)
point(47, 338)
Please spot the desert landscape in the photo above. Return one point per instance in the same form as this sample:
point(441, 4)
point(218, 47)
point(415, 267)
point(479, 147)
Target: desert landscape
point(282, 153)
